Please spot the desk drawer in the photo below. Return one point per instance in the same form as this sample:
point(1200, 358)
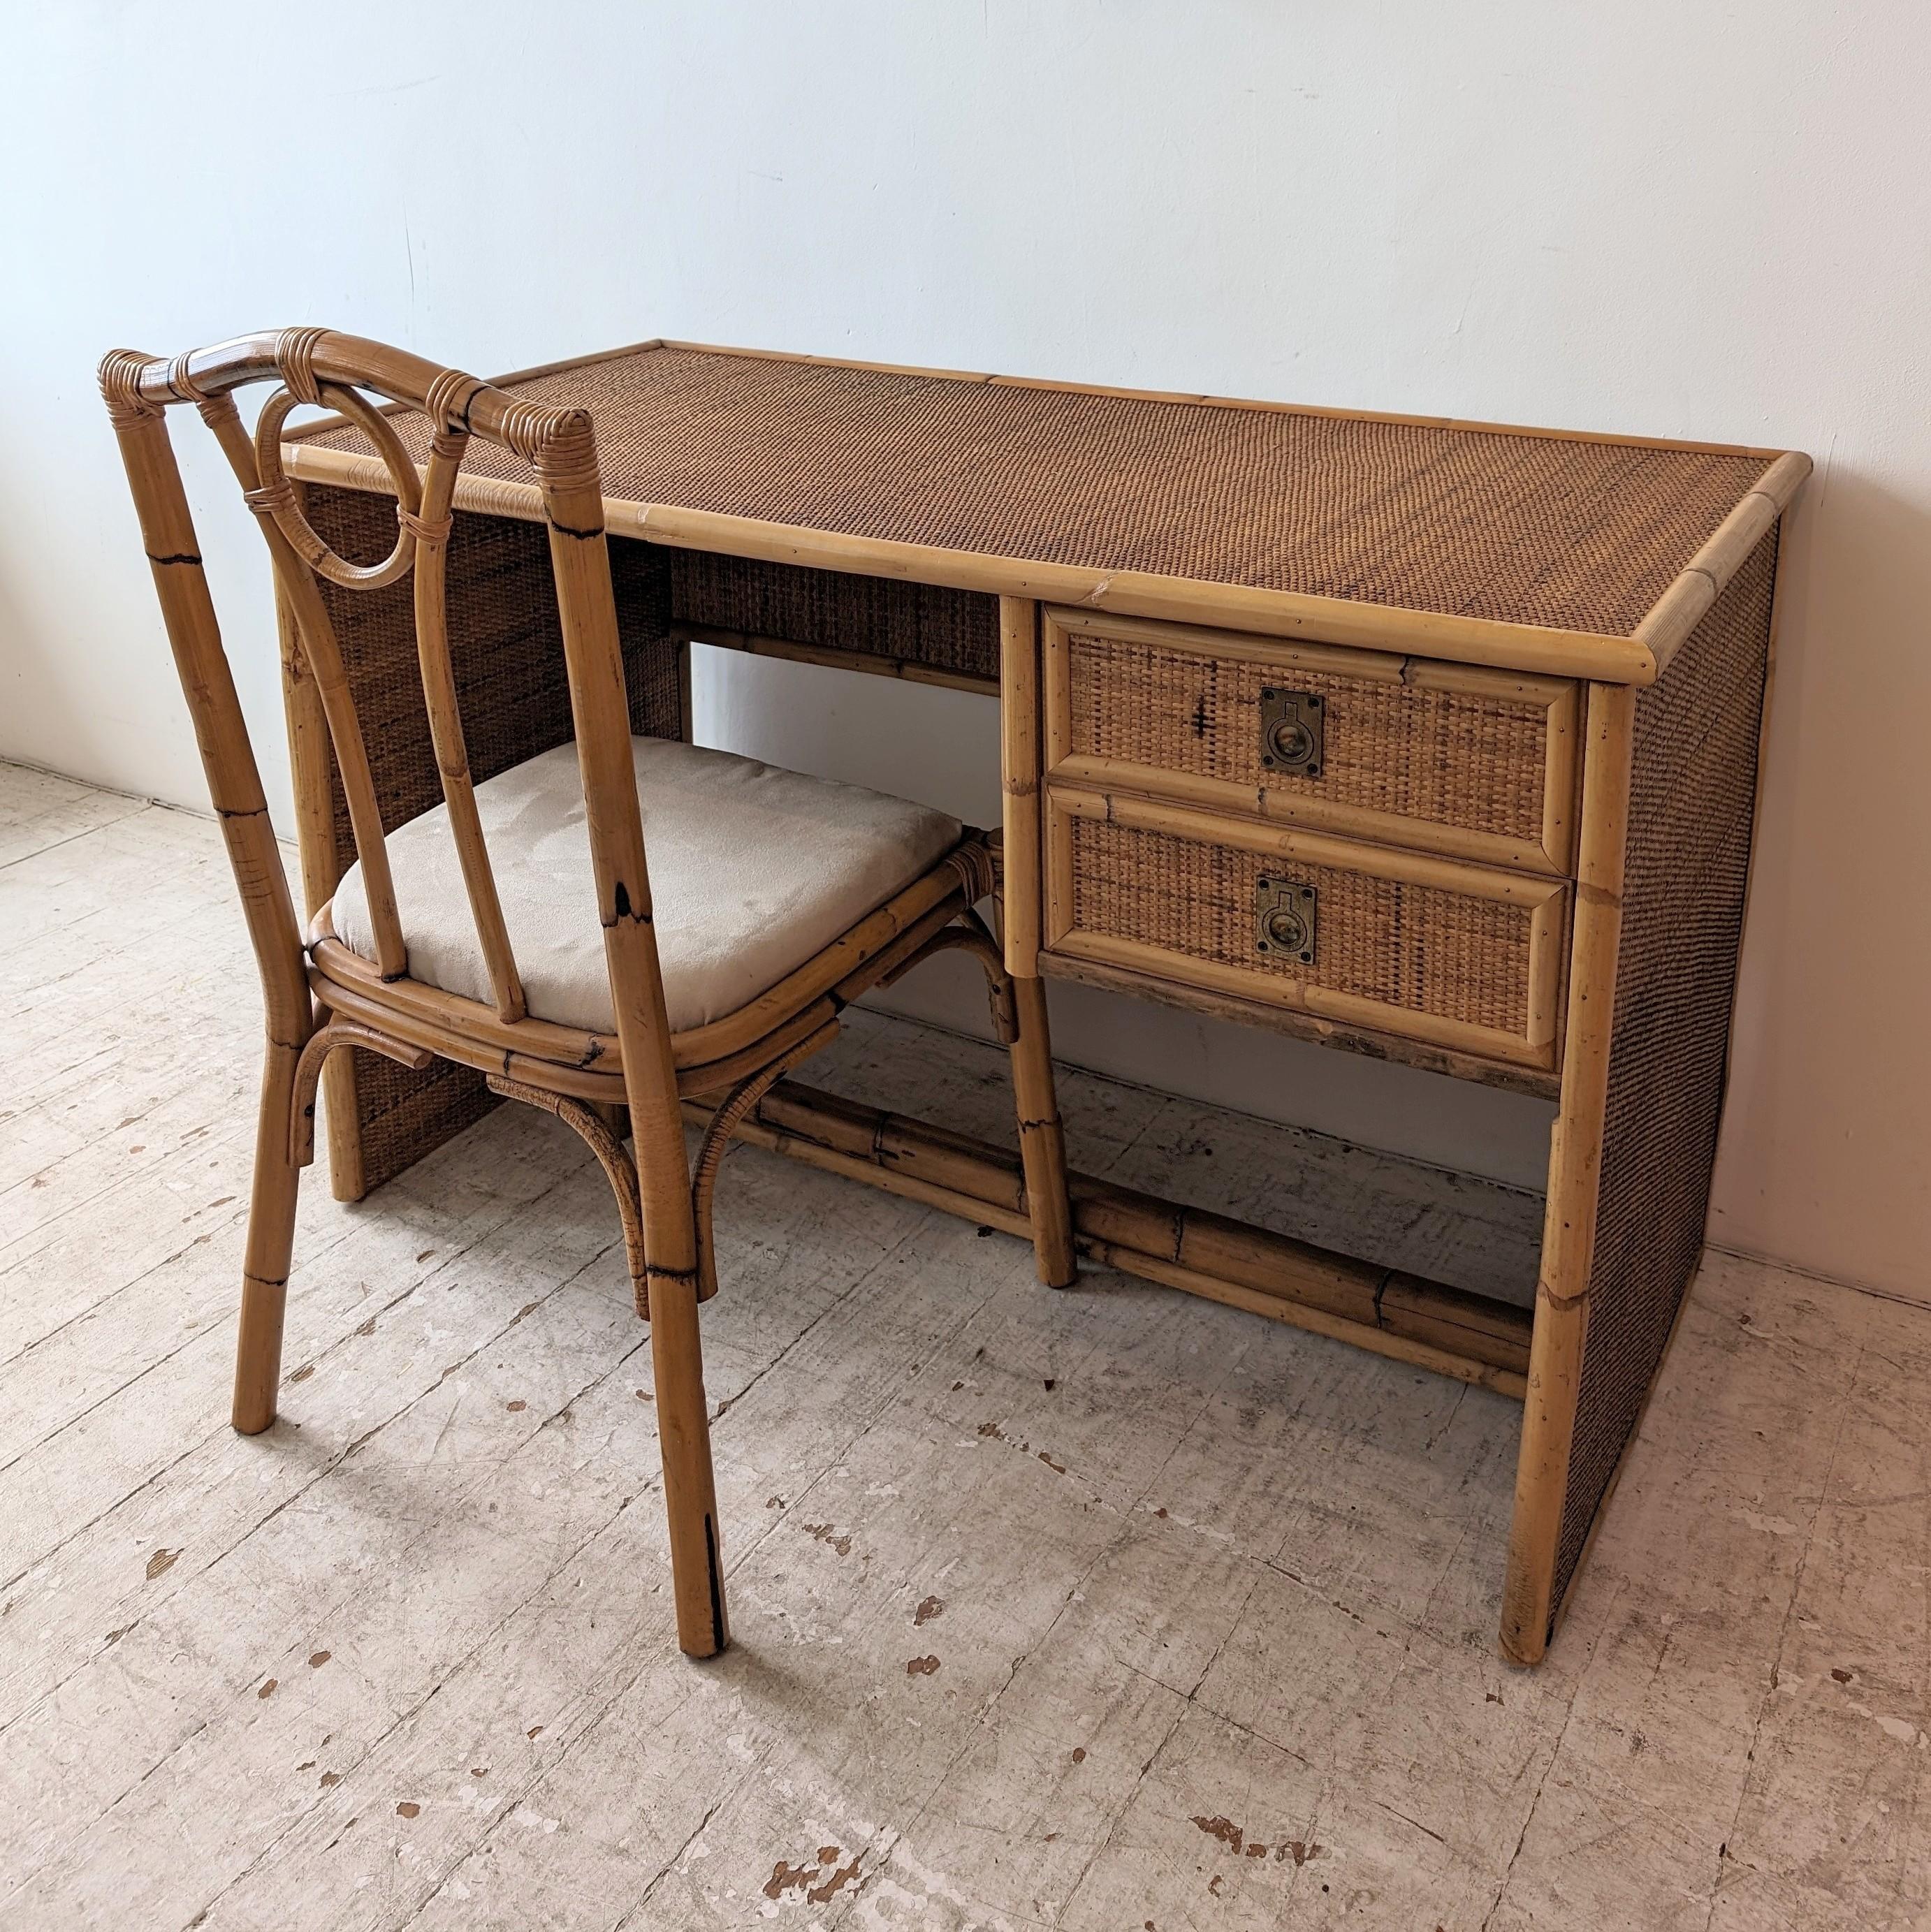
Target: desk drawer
point(1456, 955)
point(1449, 758)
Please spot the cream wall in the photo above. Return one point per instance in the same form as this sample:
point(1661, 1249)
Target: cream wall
point(1668, 216)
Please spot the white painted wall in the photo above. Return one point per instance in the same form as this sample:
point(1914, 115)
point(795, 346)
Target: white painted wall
point(1668, 216)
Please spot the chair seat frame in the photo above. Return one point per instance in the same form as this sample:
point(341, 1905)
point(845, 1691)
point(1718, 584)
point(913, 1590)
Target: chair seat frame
point(320, 996)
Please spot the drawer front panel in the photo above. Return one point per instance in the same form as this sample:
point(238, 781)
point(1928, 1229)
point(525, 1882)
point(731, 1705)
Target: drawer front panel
point(1454, 759)
point(1456, 956)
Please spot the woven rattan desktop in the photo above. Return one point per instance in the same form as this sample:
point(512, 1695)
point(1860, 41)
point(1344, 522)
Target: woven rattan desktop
point(1433, 740)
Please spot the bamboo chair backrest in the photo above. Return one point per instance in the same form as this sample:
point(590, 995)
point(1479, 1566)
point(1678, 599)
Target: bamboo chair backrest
point(320, 367)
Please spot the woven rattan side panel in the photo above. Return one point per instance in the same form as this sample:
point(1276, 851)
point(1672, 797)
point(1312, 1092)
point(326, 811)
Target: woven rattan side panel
point(913, 623)
point(507, 650)
point(1690, 811)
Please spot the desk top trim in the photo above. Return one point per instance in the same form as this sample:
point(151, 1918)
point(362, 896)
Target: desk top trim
point(1274, 613)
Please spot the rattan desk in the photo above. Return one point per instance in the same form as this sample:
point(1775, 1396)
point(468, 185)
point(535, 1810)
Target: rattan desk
point(1435, 740)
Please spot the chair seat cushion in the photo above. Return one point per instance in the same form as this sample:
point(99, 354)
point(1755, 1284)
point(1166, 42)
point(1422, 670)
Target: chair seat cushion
point(753, 870)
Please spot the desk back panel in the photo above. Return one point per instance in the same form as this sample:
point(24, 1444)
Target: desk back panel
point(919, 624)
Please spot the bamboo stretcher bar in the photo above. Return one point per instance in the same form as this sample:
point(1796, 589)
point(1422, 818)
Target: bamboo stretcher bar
point(1472, 1338)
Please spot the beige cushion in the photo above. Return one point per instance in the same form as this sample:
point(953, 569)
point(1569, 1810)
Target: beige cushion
point(753, 869)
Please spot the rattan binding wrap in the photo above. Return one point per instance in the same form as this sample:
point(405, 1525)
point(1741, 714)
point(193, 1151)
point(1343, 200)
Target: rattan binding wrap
point(507, 652)
point(1413, 947)
point(1522, 528)
point(1445, 756)
point(1690, 811)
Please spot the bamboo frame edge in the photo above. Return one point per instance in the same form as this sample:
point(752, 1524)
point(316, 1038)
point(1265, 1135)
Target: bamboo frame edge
point(1535, 650)
point(827, 657)
point(1447, 1062)
point(1666, 627)
point(1560, 1339)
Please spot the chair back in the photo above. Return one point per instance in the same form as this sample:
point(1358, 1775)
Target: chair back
point(322, 368)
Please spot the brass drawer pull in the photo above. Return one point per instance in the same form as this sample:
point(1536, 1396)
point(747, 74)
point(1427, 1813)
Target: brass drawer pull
point(1291, 732)
point(1284, 919)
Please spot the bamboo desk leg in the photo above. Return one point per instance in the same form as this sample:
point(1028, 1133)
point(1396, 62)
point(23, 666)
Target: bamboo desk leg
point(1575, 1161)
point(1042, 1137)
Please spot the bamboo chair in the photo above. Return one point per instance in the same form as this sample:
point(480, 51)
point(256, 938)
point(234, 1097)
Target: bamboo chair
point(322, 995)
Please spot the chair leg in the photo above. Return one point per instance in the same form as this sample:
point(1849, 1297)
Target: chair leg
point(271, 1241)
point(690, 1492)
point(667, 1297)
point(1042, 1139)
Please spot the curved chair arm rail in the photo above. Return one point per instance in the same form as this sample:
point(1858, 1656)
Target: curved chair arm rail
point(308, 360)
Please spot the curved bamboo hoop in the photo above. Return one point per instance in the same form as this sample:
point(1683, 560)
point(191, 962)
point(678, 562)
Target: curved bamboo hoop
point(322, 1042)
point(735, 1105)
point(971, 935)
point(275, 496)
point(613, 1157)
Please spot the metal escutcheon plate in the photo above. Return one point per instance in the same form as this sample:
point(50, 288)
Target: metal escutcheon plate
point(1284, 922)
point(1292, 732)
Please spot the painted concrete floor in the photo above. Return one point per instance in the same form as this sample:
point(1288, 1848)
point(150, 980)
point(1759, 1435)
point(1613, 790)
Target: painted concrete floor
point(1108, 1610)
